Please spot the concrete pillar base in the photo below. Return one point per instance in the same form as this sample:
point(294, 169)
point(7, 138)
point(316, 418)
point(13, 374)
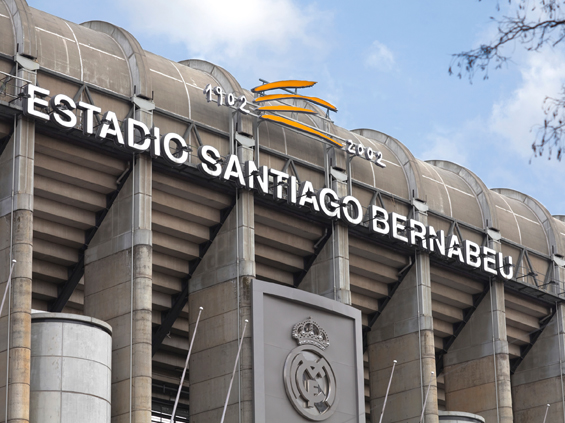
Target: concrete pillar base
point(477, 366)
point(404, 332)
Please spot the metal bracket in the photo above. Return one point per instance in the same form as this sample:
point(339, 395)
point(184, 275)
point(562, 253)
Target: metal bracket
point(420, 205)
point(26, 63)
point(558, 260)
point(244, 140)
point(143, 104)
point(339, 175)
point(494, 234)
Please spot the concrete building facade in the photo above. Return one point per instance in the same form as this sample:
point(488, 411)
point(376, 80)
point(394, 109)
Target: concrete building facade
point(126, 235)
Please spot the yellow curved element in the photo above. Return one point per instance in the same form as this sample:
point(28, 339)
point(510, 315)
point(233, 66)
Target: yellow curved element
point(283, 84)
point(299, 126)
point(314, 100)
point(286, 109)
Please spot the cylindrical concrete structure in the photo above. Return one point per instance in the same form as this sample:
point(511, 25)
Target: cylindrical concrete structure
point(459, 417)
point(71, 359)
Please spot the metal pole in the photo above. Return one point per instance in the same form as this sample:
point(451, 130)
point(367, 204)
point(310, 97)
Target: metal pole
point(559, 312)
point(185, 366)
point(233, 147)
point(13, 194)
point(7, 286)
point(546, 410)
point(234, 369)
point(494, 350)
point(387, 389)
point(426, 400)
point(131, 286)
point(418, 264)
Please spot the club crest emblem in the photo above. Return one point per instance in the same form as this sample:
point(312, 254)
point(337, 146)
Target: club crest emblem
point(309, 379)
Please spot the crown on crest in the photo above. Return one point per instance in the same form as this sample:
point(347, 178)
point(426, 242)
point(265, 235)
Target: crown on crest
point(308, 332)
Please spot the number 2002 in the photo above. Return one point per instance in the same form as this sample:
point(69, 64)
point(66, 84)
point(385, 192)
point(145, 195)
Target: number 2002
point(366, 153)
point(226, 99)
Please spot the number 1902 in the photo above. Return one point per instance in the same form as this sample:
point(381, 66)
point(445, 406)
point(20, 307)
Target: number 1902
point(226, 99)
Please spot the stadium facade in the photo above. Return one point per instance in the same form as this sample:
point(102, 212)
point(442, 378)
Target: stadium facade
point(135, 190)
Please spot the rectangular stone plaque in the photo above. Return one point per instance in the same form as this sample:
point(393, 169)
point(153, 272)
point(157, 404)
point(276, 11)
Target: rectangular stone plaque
point(307, 357)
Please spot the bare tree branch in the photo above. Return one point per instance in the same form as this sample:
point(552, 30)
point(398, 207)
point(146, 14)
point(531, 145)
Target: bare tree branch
point(551, 134)
point(546, 28)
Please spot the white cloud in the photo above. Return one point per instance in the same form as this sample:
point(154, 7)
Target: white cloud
point(227, 29)
point(380, 57)
point(500, 153)
point(515, 119)
point(447, 144)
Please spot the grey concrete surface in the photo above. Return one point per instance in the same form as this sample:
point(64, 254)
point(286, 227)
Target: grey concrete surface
point(18, 365)
point(538, 379)
point(472, 383)
point(59, 190)
point(71, 366)
point(404, 332)
point(329, 275)
point(226, 302)
point(111, 267)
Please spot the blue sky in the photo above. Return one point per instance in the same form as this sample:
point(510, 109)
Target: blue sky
point(383, 63)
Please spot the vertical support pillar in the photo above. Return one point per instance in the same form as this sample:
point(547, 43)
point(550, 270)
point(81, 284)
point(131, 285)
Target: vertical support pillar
point(538, 381)
point(16, 242)
point(121, 254)
point(477, 366)
point(329, 275)
point(404, 332)
point(221, 285)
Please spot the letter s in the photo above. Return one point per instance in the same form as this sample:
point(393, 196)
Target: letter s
point(209, 157)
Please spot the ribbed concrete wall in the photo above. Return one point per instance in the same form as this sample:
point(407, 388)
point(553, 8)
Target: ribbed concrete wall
point(164, 234)
point(71, 369)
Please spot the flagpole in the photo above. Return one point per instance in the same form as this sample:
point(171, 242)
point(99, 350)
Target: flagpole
point(387, 389)
point(185, 366)
point(426, 400)
point(7, 285)
point(546, 410)
point(234, 369)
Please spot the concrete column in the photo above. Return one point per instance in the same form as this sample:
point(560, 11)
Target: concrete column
point(18, 226)
point(477, 367)
point(329, 275)
point(221, 285)
point(404, 332)
point(538, 381)
point(119, 254)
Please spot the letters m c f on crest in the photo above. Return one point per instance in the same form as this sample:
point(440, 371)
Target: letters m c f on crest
point(309, 379)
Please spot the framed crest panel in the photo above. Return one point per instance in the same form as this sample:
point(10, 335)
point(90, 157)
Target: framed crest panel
point(307, 357)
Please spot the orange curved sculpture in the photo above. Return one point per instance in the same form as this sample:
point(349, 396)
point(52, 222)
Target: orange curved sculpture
point(315, 100)
point(283, 84)
point(286, 109)
point(300, 127)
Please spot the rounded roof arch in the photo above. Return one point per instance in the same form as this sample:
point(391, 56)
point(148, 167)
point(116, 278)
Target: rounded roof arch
point(392, 179)
point(135, 55)
point(559, 221)
point(76, 51)
point(7, 34)
point(226, 80)
point(482, 193)
point(24, 28)
point(405, 157)
point(546, 221)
